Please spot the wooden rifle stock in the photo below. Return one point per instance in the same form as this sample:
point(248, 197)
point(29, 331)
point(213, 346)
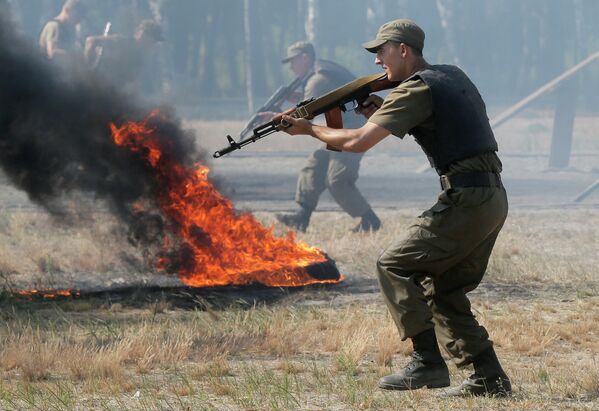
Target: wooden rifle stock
point(330, 104)
point(334, 120)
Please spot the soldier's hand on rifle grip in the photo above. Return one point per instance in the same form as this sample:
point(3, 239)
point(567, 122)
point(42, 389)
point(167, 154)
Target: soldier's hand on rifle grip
point(297, 126)
point(370, 105)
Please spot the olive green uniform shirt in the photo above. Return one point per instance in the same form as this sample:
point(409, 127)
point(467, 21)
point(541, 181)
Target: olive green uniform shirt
point(59, 35)
point(409, 105)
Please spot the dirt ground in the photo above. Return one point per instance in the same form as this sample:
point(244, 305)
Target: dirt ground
point(263, 176)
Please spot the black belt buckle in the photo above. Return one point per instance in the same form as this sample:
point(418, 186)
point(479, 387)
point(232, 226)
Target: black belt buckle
point(445, 183)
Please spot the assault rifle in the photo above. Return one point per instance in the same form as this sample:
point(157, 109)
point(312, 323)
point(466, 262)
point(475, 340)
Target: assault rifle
point(272, 104)
point(331, 105)
point(100, 49)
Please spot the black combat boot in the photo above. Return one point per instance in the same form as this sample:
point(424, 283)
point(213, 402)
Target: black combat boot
point(369, 222)
point(426, 368)
point(298, 221)
point(488, 378)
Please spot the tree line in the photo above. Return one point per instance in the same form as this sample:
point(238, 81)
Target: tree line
point(231, 49)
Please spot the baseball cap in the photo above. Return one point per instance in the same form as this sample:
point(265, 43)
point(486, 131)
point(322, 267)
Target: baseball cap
point(298, 48)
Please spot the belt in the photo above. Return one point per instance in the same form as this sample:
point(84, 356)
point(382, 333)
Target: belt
point(473, 179)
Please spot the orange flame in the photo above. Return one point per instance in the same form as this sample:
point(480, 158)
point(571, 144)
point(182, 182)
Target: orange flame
point(49, 293)
point(219, 246)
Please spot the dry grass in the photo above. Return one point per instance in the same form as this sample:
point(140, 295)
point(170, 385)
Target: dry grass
point(550, 247)
point(339, 359)
point(35, 246)
point(291, 355)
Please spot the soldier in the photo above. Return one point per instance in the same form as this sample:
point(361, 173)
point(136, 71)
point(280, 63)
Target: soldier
point(122, 57)
point(324, 169)
point(426, 274)
point(58, 38)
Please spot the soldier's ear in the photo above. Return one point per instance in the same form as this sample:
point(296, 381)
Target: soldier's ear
point(404, 49)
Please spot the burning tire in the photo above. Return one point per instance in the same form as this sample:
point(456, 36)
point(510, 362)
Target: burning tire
point(324, 271)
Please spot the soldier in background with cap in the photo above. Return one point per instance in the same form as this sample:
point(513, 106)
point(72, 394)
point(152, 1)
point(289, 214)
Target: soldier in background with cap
point(426, 274)
point(58, 38)
point(122, 57)
point(335, 171)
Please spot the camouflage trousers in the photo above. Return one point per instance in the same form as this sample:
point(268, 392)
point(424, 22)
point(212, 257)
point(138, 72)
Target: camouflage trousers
point(337, 172)
point(426, 274)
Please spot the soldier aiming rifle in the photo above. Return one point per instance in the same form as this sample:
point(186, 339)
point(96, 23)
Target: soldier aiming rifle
point(426, 274)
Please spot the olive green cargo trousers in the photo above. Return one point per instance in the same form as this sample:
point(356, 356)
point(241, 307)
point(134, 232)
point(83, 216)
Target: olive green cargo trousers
point(337, 172)
point(426, 274)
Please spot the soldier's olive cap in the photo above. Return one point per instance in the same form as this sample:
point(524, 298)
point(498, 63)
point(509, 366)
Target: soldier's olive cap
point(398, 31)
point(75, 5)
point(298, 48)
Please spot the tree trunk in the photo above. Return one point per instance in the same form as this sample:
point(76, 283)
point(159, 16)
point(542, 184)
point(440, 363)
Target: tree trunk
point(299, 29)
point(563, 124)
point(445, 9)
point(135, 10)
point(163, 53)
point(258, 24)
point(248, 56)
point(375, 14)
point(207, 72)
point(311, 27)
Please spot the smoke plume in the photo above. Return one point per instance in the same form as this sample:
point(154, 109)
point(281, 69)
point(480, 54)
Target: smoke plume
point(55, 139)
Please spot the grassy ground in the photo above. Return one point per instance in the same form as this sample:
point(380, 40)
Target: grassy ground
point(319, 348)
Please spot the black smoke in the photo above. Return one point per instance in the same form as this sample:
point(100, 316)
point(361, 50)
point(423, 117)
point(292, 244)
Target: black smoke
point(55, 139)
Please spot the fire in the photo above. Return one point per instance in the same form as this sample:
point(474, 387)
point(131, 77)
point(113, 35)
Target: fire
point(49, 293)
point(216, 245)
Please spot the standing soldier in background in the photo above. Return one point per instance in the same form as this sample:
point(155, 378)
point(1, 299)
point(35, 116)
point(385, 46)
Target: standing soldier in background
point(122, 57)
point(324, 169)
point(426, 274)
point(58, 38)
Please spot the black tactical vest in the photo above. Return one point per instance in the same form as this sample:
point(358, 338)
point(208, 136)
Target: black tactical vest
point(67, 36)
point(462, 127)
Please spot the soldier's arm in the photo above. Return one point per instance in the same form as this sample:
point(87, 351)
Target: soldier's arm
point(356, 140)
point(55, 52)
point(407, 106)
point(92, 42)
point(51, 39)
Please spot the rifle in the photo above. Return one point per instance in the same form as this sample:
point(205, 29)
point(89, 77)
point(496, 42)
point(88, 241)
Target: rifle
point(100, 49)
point(331, 104)
point(272, 104)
